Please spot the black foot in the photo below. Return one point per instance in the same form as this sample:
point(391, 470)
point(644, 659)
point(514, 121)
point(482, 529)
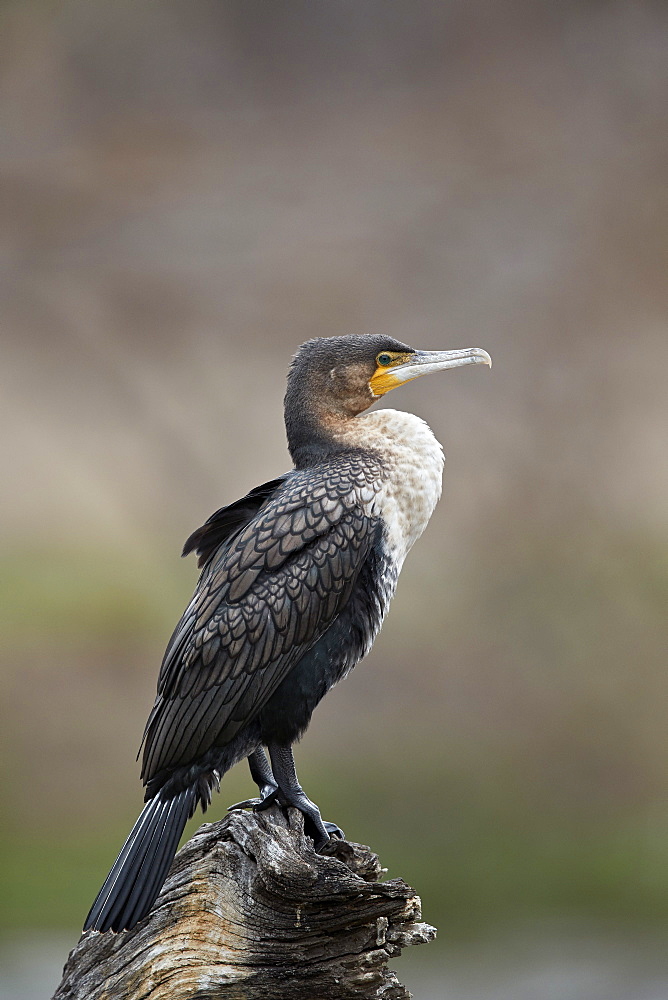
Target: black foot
point(291, 793)
point(278, 783)
point(311, 825)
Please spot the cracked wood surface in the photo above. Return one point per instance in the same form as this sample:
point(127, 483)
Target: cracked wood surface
point(249, 910)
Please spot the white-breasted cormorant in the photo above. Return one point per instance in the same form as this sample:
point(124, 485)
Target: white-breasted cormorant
point(296, 579)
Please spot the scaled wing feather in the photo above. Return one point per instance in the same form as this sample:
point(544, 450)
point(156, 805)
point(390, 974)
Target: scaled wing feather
point(286, 574)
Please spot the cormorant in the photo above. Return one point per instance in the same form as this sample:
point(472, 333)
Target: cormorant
point(296, 579)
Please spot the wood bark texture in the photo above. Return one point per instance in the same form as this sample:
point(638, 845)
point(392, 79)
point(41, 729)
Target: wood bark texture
point(250, 911)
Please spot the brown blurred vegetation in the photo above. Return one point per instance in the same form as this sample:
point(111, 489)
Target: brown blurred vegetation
point(188, 191)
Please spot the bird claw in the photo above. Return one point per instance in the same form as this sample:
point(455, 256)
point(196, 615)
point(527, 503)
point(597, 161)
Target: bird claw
point(321, 833)
point(246, 804)
point(319, 830)
point(270, 794)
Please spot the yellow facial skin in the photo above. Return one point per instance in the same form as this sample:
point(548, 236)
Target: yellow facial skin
point(382, 379)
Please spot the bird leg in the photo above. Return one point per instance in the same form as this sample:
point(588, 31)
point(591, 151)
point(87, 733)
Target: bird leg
point(261, 774)
point(291, 793)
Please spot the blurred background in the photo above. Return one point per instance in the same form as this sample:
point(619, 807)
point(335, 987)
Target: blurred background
point(191, 189)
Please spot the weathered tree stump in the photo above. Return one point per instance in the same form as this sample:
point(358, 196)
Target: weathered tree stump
point(249, 910)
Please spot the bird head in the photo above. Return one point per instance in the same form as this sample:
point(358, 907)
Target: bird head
point(345, 375)
point(335, 378)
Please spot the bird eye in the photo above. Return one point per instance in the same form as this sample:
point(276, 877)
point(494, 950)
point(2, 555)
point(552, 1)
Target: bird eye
point(384, 360)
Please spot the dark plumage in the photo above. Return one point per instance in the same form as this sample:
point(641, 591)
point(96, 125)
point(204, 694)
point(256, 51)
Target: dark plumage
point(296, 578)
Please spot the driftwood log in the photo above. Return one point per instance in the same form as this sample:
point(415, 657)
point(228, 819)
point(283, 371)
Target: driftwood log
point(250, 911)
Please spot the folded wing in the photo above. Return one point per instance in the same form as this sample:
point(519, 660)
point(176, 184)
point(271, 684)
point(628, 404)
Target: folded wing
point(264, 597)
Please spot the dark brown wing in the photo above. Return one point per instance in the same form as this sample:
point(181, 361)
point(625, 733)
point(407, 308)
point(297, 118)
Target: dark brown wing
point(263, 599)
point(227, 520)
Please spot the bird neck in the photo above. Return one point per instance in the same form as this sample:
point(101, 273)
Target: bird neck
point(315, 436)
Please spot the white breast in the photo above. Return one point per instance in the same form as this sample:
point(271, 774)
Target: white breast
point(414, 461)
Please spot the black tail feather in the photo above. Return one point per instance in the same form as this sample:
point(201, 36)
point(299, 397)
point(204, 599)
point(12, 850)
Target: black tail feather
point(152, 876)
point(140, 870)
point(129, 882)
point(100, 911)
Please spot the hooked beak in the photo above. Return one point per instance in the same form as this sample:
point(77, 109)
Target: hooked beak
point(424, 363)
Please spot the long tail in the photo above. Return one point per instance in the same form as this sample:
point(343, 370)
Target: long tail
point(141, 868)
